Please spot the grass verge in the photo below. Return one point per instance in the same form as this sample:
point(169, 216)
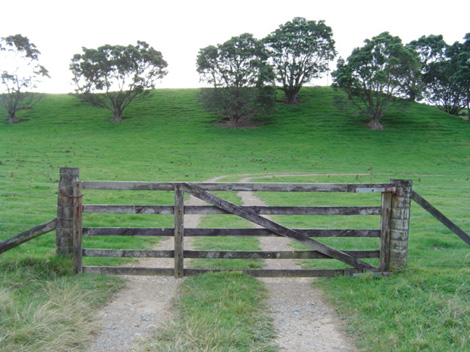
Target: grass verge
point(44, 308)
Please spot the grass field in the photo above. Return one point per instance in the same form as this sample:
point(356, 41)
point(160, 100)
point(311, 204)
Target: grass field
point(170, 138)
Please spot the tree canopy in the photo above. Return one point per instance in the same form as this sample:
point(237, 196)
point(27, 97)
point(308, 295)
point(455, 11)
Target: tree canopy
point(444, 72)
point(300, 51)
point(460, 58)
point(374, 75)
point(240, 77)
point(112, 76)
point(20, 72)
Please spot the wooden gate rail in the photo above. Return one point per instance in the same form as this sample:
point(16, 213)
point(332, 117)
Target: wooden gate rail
point(242, 232)
point(28, 235)
point(393, 232)
point(240, 186)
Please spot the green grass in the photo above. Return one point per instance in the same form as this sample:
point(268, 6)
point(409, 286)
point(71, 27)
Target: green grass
point(171, 138)
point(217, 312)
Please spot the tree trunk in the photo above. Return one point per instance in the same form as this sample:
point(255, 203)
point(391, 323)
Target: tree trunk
point(12, 119)
point(374, 124)
point(117, 117)
point(292, 96)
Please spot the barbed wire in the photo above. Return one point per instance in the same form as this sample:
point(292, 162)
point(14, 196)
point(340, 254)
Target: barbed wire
point(28, 172)
point(31, 183)
point(28, 193)
point(31, 203)
point(442, 187)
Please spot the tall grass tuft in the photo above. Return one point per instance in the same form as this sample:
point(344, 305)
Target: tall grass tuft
point(43, 309)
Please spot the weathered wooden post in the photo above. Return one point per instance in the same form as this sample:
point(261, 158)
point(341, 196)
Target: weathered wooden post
point(385, 224)
point(77, 227)
point(179, 230)
point(64, 229)
point(399, 224)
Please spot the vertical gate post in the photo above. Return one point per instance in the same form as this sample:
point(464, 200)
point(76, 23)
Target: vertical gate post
point(385, 224)
point(77, 227)
point(179, 230)
point(64, 231)
point(400, 224)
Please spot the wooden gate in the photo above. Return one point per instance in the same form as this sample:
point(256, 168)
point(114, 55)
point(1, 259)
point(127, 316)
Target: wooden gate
point(394, 212)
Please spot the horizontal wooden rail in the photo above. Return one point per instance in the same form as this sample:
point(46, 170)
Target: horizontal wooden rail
point(203, 210)
point(240, 187)
point(112, 270)
point(242, 232)
point(126, 253)
point(27, 235)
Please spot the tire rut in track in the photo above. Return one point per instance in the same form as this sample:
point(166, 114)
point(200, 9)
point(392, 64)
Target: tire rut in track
point(303, 321)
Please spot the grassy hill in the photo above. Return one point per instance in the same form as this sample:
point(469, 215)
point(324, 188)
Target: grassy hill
point(170, 137)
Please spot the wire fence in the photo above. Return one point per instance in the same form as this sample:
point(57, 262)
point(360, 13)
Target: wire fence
point(27, 198)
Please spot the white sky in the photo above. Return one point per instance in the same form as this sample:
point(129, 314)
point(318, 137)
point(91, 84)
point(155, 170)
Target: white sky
point(179, 28)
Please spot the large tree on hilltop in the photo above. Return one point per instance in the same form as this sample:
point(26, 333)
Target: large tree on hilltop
point(460, 59)
point(446, 76)
point(373, 76)
point(431, 51)
point(19, 73)
point(300, 51)
point(241, 78)
point(113, 76)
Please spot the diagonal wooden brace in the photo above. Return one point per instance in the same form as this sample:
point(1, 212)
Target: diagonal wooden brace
point(277, 228)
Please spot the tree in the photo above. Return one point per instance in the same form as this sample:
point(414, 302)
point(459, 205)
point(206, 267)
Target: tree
point(431, 51)
point(373, 76)
point(460, 58)
point(240, 77)
point(113, 76)
point(20, 73)
point(446, 75)
point(300, 51)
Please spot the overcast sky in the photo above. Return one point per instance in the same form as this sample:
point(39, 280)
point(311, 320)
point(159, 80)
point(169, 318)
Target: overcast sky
point(179, 28)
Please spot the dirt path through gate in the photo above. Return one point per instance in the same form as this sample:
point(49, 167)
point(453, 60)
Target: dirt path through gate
point(302, 319)
point(144, 304)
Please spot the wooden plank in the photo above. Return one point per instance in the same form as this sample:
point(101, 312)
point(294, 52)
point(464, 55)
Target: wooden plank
point(179, 231)
point(128, 209)
point(277, 228)
point(27, 235)
point(127, 231)
point(273, 254)
point(116, 270)
point(240, 232)
point(112, 270)
point(129, 253)
point(385, 228)
point(278, 272)
point(64, 231)
point(440, 217)
point(203, 210)
point(77, 228)
point(240, 187)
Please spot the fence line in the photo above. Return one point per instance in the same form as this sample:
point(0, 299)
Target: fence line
point(442, 187)
point(30, 183)
point(28, 172)
point(41, 205)
point(30, 194)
